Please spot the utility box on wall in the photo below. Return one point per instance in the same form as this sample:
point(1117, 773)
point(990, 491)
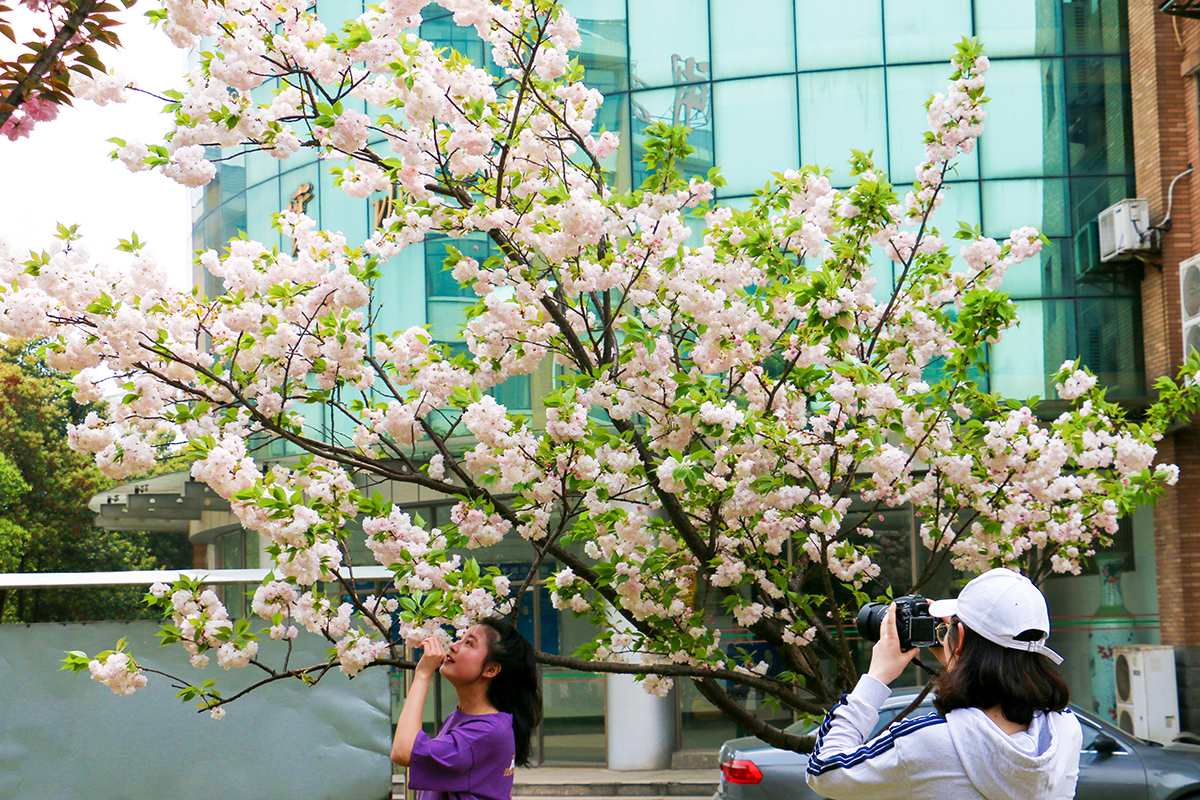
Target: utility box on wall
point(1147, 697)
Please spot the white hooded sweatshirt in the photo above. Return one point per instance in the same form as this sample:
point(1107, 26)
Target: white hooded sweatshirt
point(961, 756)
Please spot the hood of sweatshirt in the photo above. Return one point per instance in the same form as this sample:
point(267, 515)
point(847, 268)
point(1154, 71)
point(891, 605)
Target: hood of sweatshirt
point(1008, 771)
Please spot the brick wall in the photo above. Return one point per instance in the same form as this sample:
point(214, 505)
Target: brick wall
point(1163, 50)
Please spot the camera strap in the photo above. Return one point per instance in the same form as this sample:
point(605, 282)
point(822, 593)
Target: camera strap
point(932, 672)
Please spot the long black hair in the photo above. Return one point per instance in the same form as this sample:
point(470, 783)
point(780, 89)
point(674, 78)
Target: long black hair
point(515, 688)
point(986, 675)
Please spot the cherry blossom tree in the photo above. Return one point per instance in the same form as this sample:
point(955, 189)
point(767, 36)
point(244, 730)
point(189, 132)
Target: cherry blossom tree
point(727, 383)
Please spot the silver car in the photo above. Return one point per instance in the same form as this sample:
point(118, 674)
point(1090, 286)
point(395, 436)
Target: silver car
point(1113, 765)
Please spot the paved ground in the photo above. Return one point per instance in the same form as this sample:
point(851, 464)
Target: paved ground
point(596, 783)
point(592, 775)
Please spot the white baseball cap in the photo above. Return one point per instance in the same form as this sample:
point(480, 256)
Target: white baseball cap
point(1000, 605)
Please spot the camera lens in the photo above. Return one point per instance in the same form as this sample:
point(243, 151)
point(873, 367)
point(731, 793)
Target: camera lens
point(870, 618)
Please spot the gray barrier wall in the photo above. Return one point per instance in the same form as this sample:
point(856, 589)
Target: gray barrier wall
point(65, 736)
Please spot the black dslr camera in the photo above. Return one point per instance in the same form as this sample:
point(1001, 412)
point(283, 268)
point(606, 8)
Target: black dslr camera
point(913, 622)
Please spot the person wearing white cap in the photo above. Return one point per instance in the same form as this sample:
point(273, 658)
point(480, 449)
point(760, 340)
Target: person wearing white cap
point(1002, 728)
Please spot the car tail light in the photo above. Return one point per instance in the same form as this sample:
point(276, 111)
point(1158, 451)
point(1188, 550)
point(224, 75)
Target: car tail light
point(741, 772)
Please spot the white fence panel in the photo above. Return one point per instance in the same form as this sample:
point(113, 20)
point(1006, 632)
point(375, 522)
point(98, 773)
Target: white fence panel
point(65, 736)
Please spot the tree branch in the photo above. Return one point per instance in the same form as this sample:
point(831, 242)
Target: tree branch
point(49, 55)
point(768, 685)
point(752, 724)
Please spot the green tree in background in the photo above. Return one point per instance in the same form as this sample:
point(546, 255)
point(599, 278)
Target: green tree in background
point(45, 522)
point(13, 538)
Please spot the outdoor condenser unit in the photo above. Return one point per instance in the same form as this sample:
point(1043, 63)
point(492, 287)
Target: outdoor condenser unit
point(1189, 304)
point(1125, 230)
point(1147, 700)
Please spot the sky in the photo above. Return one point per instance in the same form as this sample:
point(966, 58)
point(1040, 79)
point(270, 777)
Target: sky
point(62, 172)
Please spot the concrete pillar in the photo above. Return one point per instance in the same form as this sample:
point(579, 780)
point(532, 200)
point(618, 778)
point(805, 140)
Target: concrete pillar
point(639, 727)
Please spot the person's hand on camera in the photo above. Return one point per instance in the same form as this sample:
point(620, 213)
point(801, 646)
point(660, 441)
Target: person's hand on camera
point(887, 659)
point(434, 653)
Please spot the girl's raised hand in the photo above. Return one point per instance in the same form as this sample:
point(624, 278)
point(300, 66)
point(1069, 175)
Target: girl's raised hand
point(434, 653)
point(887, 659)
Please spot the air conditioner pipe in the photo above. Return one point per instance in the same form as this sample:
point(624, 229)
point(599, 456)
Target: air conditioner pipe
point(1165, 225)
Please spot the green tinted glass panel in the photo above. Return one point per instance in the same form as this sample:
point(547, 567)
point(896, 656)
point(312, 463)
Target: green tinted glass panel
point(883, 270)
point(689, 105)
point(604, 45)
point(842, 34)
point(1090, 196)
point(1025, 129)
point(439, 281)
point(333, 10)
point(738, 203)
point(1098, 115)
point(1050, 273)
point(343, 213)
point(233, 179)
point(1095, 26)
point(260, 166)
point(1026, 355)
point(960, 204)
point(935, 370)
point(614, 116)
point(752, 38)
point(262, 201)
point(233, 218)
point(755, 130)
point(1110, 343)
point(668, 42)
point(264, 93)
point(440, 31)
point(1124, 280)
point(316, 421)
point(855, 98)
point(917, 31)
point(446, 300)
point(398, 298)
point(908, 89)
point(1019, 27)
point(1008, 205)
point(513, 393)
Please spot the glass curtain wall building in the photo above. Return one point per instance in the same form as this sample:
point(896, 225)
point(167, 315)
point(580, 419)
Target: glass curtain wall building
point(767, 86)
point(775, 84)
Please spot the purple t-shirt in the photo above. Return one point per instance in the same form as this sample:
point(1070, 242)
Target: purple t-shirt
point(472, 758)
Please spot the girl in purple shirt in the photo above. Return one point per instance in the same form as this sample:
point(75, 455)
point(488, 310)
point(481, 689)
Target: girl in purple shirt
point(494, 672)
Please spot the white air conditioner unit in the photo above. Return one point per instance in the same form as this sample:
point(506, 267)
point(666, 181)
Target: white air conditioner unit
point(1189, 304)
point(1147, 699)
point(1125, 230)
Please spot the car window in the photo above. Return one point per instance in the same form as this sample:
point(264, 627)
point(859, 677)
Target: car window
point(803, 727)
point(885, 717)
point(888, 714)
point(1090, 732)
